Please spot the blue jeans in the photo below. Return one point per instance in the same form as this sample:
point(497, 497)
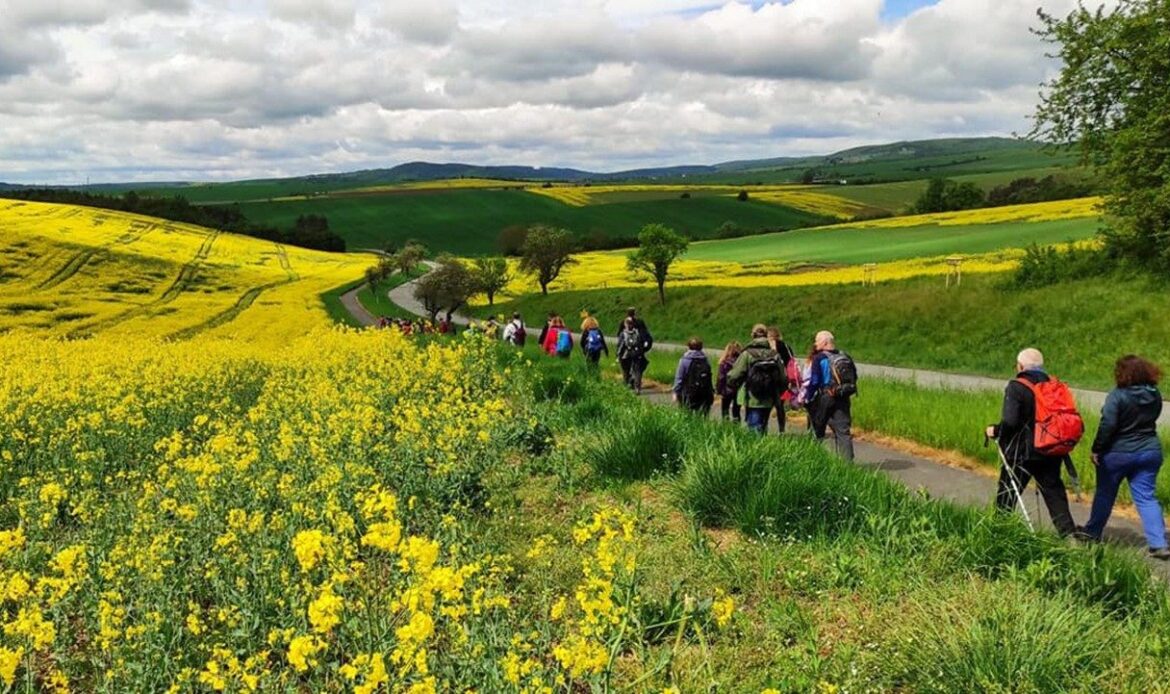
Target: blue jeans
point(1141, 469)
point(757, 419)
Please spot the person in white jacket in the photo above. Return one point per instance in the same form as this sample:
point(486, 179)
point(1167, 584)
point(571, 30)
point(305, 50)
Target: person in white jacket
point(514, 332)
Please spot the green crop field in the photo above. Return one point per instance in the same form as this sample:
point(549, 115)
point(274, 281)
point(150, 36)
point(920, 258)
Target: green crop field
point(898, 196)
point(469, 221)
point(852, 245)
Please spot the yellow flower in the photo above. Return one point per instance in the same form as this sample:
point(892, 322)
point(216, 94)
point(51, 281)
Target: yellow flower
point(10, 540)
point(384, 536)
point(370, 669)
point(325, 611)
point(310, 547)
point(302, 652)
point(722, 609)
point(31, 623)
point(9, 661)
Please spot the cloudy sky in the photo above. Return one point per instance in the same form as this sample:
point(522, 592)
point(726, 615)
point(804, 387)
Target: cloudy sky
point(115, 90)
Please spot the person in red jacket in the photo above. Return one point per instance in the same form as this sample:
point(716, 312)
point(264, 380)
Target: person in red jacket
point(555, 328)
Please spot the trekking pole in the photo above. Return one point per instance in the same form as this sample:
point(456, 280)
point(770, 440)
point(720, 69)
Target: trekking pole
point(1013, 480)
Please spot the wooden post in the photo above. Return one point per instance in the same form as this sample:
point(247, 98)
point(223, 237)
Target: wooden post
point(869, 275)
point(955, 271)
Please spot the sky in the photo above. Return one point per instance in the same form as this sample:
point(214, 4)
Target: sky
point(169, 90)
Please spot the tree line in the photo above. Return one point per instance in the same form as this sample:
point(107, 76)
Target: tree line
point(309, 231)
point(948, 195)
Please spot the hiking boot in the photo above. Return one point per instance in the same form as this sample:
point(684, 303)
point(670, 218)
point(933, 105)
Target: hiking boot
point(1161, 553)
point(1081, 535)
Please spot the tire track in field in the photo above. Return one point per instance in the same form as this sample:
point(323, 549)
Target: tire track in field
point(181, 282)
point(79, 260)
point(243, 303)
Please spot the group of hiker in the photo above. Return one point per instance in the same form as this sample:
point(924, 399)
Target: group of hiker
point(764, 377)
point(1039, 427)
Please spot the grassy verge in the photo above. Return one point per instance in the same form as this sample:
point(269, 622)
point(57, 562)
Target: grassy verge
point(1082, 326)
point(377, 301)
point(336, 310)
point(841, 578)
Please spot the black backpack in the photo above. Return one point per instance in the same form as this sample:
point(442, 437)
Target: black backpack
point(696, 386)
point(764, 377)
point(842, 374)
point(632, 342)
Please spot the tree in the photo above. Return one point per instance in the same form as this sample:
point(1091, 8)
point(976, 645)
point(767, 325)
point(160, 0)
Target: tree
point(945, 195)
point(659, 246)
point(373, 276)
point(446, 288)
point(511, 239)
point(407, 259)
point(742, 196)
point(1112, 100)
point(545, 253)
point(491, 275)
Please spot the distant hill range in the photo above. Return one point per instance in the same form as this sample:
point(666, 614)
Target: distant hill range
point(873, 163)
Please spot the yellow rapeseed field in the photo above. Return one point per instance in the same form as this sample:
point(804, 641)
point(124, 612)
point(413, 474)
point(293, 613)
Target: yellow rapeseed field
point(806, 198)
point(267, 503)
point(76, 271)
point(1033, 212)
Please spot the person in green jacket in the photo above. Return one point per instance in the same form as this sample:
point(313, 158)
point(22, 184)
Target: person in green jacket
point(760, 371)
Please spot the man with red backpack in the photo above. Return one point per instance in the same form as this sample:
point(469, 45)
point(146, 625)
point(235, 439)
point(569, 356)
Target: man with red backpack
point(1038, 429)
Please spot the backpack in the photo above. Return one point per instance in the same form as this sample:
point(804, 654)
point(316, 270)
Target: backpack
point(696, 386)
point(594, 342)
point(564, 343)
point(764, 377)
point(842, 375)
point(1058, 427)
point(519, 335)
point(632, 342)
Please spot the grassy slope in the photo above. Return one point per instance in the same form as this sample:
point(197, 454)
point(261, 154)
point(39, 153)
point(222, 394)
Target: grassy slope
point(468, 221)
point(852, 246)
point(1082, 326)
point(848, 581)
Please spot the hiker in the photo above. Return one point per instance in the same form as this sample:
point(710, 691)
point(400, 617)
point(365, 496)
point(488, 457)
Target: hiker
point(544, 331)
point(728, 396)
point(758, 370)
point(631, 354)
point(491, 328)
point(514, 332)
point(647, 338)
point(791, 375)
point(1016, 435)
point(831, 386)
point(558, 341)
point(592, 341)
point(1127, 447)
point(692, 380)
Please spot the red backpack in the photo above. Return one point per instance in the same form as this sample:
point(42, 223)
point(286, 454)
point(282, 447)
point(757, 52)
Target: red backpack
point(1058, 427)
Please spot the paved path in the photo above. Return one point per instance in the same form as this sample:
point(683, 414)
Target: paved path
point(350, 301)
point(970, 488)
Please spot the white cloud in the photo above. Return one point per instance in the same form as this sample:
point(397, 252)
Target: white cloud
point(166, 89)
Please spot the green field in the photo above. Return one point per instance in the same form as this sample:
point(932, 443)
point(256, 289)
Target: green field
point(898, 196)
point(852, 246)
point(469, 221)
point(1081, 326)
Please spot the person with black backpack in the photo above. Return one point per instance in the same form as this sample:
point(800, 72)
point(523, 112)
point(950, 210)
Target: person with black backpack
point(592, 341)
point(631, 354)
point(831, 386)
point(640, 325)
point(761, 372)
point(515, 333)
point(693, 388)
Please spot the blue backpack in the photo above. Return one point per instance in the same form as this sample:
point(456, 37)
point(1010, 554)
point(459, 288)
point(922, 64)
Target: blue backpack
point(564, 343)
point(594, 342)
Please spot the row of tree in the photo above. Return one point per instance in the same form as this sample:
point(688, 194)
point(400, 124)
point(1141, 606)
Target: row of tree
point(947, 195)
point(546, 252)
point(309, 231)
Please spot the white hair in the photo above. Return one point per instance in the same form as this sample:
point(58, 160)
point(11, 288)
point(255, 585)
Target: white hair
point(825, 338)
point(1030, 359)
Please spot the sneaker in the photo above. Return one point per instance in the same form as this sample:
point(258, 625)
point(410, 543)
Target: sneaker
point(1161, 553)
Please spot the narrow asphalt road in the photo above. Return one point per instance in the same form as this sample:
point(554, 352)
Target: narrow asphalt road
point(350, 301)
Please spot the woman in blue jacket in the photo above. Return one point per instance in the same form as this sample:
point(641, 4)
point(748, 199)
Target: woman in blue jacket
point(1127, 447)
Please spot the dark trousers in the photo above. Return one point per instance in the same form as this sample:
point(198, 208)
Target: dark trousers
point(837, 414)
point(730, 404)
point(632, 370)
point(1046, 472)
point(781, 419)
